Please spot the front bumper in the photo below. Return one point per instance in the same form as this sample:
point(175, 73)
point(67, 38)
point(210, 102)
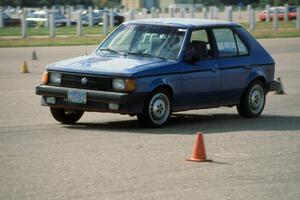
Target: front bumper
point(129, 103)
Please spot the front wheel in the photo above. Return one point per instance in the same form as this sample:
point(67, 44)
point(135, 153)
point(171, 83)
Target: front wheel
point(253, 101)
point(157, 110)
point(65, 116)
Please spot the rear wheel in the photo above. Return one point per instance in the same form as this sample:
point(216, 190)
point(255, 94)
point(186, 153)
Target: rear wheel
point(157, 110)
point(253, 101)
point(66, 116)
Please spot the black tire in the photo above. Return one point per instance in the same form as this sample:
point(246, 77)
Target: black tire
point(157, 110)
point(60, 115)
point(253, 101)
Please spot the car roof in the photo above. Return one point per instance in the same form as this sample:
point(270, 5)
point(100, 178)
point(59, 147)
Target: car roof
point(42, 12)
point(39, 12)
point(183, 22)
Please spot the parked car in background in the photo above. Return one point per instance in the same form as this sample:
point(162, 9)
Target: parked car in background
point(150, 68)
point(292, 13)
point(98, 18)
point(28, 11)
point(8, 21)
point(9, 10)
point(39, 18)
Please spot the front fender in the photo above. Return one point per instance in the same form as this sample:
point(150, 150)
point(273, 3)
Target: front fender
point(156, 83)
point(149, 84)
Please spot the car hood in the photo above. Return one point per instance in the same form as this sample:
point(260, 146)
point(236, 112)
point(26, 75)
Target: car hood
point(105, 65)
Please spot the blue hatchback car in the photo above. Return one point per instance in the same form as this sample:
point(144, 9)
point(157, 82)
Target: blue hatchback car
point(153, 67)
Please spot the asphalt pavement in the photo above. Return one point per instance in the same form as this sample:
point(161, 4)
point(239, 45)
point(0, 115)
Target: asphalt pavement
point(109, 156)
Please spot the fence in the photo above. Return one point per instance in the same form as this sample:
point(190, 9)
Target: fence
point(230, 13)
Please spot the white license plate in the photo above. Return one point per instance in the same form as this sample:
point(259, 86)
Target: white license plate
point(76, 96)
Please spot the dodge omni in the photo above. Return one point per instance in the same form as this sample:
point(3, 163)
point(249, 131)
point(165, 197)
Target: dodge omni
point(150, 68)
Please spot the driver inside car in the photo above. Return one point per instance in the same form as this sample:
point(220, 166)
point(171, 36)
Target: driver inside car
point(197, 50)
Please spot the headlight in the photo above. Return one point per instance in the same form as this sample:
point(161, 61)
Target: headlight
point(126, 85)
point(118, 84)
point(54, 77)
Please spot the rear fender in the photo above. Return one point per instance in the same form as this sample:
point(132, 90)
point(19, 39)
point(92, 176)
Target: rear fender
point(254, 75)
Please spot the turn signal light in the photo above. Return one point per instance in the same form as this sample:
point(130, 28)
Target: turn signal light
point(45, 77)
point(130, 85)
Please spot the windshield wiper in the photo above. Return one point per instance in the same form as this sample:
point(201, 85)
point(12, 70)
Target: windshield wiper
point(113, 50)
point(145, 54)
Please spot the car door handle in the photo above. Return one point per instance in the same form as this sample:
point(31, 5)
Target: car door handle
point(214, 70)
point(247, 67)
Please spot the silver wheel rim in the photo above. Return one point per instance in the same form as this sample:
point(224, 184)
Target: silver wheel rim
point(256, 99)
point(159, 108)
point(68, 112)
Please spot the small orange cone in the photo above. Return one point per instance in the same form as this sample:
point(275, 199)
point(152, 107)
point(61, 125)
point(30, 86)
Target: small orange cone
point(24, 68)
point(199, 154)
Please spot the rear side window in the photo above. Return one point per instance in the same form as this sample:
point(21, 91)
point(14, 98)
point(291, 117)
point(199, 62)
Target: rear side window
point(225, 42)
point(241, 46)
point(229, 44)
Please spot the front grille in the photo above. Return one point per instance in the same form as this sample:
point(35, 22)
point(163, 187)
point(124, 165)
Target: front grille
point(93, 83)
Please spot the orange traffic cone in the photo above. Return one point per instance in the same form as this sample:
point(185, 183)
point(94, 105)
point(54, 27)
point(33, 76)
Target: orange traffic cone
point(199, 154)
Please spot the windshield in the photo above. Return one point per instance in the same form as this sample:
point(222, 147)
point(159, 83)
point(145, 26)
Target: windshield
point(5, 16)
point(145, 40)
point(35, 15)
point(292, 9)
point(94, 15)
point(59, 16)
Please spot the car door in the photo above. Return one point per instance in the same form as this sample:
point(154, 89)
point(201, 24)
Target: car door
point(201, 81)
point(234, 62)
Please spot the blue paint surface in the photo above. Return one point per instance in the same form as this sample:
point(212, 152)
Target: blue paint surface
point(206, 83)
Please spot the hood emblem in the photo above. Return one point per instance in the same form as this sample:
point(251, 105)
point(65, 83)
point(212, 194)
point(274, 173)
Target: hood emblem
point(84, 81)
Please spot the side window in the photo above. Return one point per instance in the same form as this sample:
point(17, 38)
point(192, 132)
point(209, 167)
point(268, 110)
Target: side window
point(241, 46)
point(200, 42)
point(225, 42)
point(199, 35)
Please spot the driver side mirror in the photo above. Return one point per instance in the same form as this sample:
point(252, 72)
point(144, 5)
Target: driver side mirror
point(192, 57)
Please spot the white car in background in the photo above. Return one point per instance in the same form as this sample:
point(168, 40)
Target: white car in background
point(98, 18)
point(39, 18)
